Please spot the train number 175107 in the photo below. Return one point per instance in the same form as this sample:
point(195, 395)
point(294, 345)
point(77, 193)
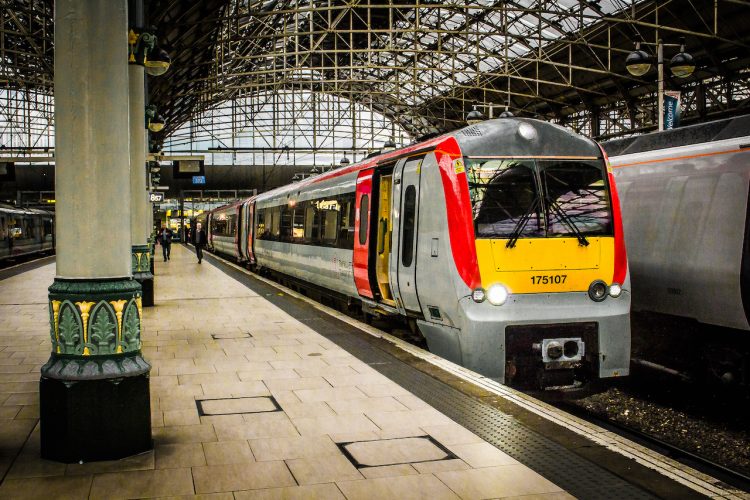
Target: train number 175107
point(551, 279)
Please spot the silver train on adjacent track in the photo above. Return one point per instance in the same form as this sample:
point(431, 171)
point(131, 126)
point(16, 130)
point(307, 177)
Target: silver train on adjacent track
point(501, 243)
point(684, 195)
point(25, 231)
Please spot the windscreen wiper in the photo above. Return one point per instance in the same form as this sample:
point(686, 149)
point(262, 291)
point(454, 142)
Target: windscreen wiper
point(521, 224)
point(582, 241)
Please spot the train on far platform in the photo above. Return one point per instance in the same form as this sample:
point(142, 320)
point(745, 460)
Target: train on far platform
point(685, 207)
point(25, 231)
point(501, 243)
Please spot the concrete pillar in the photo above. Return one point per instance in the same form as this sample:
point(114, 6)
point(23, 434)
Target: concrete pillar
point(140, 206)
point(94, 391)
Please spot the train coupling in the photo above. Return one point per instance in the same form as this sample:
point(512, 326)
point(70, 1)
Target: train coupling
point(560, 353)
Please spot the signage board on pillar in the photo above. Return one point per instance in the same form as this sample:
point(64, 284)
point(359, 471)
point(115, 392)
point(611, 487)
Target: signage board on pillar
point(155, 197)
point(671, 109)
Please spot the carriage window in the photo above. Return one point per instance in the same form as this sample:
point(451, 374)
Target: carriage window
point(312, 224)
point(285, 224)
point(274, 223)
point(410, 205)
point(364, 209)
point(219, 225)
point(260, 229)
point(346, 223)
point(298, 224)
point(329, 220)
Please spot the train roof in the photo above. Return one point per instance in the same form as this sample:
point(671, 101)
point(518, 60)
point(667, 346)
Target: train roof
point(499, 137)
point(730, 128)
point(10, 209)
point(511, 136)
point(524, 137)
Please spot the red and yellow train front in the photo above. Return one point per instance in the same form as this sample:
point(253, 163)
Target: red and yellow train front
point(553, 296)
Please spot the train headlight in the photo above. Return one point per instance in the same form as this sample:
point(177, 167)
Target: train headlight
point(598, 291)
point(615, 290)
point(478, 295)
point(497, 295)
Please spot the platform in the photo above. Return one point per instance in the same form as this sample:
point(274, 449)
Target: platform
point(255, 394)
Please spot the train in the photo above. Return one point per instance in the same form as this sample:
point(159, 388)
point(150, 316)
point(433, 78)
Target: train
point(684, 196)
point(501, 243)
point(25, 231)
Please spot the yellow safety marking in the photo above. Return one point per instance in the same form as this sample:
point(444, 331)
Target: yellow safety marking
point(546, 265)
point(458, 166)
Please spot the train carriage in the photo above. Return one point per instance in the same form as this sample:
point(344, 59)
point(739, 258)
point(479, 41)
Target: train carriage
point(685, 207)
point(223, 229)
point(25, 231)
point(502, 243)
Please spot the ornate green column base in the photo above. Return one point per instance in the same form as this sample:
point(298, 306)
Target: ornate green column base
point(96, 377)
point(142, 263)
point(95, 317)
point(75, 369)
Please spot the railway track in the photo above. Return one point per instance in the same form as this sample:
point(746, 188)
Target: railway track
point(703, 464)
point(663, 444)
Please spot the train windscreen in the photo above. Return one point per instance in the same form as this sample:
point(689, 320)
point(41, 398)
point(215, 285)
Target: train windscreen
point(538, 198)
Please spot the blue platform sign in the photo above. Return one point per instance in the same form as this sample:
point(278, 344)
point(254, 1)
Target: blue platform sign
point(199, 179)
point(671, 110)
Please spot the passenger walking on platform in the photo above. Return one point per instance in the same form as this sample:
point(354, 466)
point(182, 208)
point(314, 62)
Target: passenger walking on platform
point(165, 238)
point(199, 240)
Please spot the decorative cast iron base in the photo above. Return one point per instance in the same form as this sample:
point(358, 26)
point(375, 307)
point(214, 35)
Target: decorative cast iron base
point(95, 419)
point(94, 390)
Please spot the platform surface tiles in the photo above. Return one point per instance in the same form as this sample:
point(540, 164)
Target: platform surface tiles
point(250, 401)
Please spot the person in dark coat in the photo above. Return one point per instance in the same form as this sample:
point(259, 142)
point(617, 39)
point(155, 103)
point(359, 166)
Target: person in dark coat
point(199, 240)
point(165, 239)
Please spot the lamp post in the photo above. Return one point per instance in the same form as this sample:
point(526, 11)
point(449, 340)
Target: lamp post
point(682, 65)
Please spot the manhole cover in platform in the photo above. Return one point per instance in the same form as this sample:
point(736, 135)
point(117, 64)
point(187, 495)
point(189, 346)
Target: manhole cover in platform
point(395, 451)
point(230, 335)
point(236, 406)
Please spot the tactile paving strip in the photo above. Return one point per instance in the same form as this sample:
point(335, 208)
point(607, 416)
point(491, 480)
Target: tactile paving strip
point(577, 476)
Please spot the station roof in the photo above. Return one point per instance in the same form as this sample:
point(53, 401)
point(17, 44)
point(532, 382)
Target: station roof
point(422, 63)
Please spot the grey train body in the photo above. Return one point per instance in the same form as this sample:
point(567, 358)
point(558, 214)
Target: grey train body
point(684, 197)
point(430, 291)
point(25, 231)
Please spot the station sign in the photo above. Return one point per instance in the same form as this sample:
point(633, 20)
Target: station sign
point(199, 179)
point(155, 197)
point(671, 109)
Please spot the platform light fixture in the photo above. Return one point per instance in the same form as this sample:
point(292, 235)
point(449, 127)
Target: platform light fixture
point(638, 62)
point(389, 145)
point(159, 63)
point(344, 161)
point(144, 49)
point(154, 121)
point(682, 65)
